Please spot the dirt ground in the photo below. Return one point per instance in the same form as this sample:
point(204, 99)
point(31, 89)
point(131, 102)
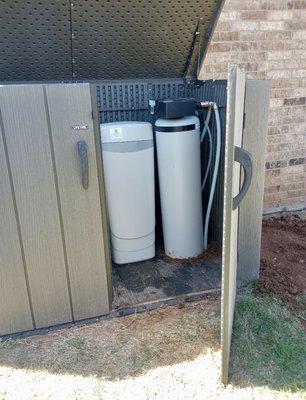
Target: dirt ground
point(212, 253)
point(171, 353)
point(283, 262)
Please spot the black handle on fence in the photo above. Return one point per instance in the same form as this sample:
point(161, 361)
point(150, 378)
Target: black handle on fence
point(245, 159)
point(83, 156)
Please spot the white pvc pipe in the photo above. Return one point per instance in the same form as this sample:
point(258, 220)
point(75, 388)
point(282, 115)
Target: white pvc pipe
point(206, 125)
point(215, 173)
point(209, 158)
point(203, 134)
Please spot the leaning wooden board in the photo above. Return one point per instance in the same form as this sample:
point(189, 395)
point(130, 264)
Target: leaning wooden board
point(60, 267)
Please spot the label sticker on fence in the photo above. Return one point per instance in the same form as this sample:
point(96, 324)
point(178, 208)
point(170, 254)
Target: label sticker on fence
point(79, 127)
point(116, 133)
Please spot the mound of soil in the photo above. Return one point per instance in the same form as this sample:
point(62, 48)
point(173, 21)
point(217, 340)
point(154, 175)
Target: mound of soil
point(211, 254)
point(283, 258)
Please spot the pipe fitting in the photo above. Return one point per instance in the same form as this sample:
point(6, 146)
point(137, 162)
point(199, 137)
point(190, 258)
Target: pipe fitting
point(207, 104)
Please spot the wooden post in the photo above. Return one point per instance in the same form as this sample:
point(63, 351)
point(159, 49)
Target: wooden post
point(257, 96)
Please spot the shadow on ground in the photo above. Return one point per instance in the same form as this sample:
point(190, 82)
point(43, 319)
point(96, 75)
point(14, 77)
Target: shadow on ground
point(123, 347)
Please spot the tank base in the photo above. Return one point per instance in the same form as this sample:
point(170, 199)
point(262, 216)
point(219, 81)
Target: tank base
point(174, 255)
point(125, 257)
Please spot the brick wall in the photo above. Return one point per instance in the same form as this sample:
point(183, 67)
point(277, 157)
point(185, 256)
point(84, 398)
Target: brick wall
point(267, 39)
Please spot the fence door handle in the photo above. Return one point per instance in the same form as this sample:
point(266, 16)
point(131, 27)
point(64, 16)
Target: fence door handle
point(83, 157)
point(245, 159)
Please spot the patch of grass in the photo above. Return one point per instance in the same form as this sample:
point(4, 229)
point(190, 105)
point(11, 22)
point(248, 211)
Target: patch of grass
point(269, 345)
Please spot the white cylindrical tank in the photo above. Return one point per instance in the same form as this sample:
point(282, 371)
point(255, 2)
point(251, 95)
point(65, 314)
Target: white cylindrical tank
point(128, 163)
point(179, 170)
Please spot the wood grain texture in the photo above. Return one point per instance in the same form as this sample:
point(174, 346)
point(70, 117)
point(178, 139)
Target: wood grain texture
point(70, 105)
point(15, 312)
point(105, 222)
point(250, 211)
point(27, 138)
point(234, 124)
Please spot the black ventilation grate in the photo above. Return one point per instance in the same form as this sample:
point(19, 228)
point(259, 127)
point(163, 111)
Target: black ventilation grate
point(128, 100)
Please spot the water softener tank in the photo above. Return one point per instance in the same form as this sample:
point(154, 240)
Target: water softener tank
point(179, 170)
point(128, 163)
